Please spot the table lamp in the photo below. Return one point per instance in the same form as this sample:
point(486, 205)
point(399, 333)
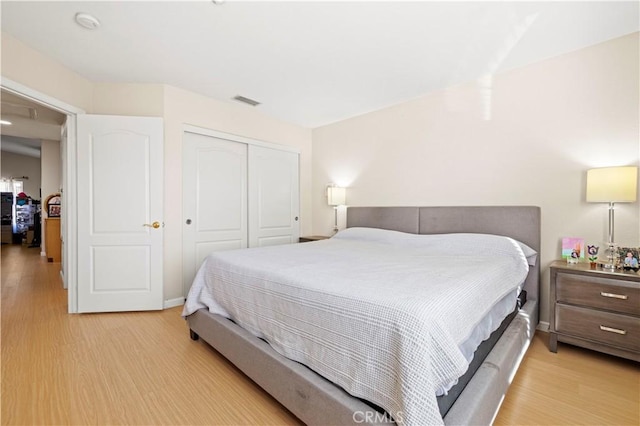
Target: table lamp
point(612, 185)
point(336, 196)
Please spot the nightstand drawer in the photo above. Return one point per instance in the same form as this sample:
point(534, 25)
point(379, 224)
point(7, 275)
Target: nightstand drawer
point(604, 327)
point(597, 292)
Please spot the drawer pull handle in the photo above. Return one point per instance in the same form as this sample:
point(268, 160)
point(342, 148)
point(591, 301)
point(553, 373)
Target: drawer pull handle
point(613, 330)
point(614, 296)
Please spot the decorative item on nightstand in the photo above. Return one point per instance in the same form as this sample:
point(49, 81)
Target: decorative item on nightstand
point(612, 185)
point(572, 249)
point(336, 196)
point(593, 256)
point(629, 257)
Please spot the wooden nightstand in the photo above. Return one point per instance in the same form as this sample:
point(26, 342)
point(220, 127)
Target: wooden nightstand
point(595, 309)
point(313, 238)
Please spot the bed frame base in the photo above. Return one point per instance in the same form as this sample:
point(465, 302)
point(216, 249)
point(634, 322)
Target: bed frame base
point(310, 397)
point(316, 401)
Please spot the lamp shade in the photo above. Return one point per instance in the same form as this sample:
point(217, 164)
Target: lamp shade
point(612, 184)
point(336, 196)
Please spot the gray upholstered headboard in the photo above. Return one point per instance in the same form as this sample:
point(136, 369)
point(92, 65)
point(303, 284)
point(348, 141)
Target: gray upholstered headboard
point(521, 223)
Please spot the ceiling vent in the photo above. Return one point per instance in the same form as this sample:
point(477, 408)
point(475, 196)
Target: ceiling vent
point(246, 100)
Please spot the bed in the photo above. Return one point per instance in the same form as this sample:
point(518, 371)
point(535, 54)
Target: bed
point(316, 400)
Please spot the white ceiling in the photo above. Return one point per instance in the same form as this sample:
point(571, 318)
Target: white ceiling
point(312, 63)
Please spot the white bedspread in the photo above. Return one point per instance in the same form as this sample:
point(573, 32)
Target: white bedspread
point(380, 313)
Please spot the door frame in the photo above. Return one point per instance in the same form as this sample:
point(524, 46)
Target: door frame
point(69, 171)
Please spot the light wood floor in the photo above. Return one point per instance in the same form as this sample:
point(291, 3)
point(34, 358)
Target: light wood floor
point(142, 368)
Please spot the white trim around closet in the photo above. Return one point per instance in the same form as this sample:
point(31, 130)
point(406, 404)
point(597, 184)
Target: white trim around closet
point(236, 138)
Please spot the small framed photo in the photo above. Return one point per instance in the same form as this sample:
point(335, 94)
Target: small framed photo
point(54, 210)
point(629, 258)
point(572, 249)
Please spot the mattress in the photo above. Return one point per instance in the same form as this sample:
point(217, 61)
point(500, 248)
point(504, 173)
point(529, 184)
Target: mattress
point(395, 350)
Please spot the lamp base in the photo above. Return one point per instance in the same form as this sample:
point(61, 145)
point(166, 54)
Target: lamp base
point(609, 261)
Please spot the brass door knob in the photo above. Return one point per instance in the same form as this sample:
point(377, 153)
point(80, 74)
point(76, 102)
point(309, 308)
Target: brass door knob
point(154, 225)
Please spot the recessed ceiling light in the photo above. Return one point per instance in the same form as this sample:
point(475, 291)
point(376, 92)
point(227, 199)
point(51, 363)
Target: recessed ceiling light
point(87, 21)
point(5, 122)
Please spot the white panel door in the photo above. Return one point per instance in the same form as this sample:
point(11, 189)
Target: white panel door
point(214, 180)
point(273, 197)
point(120, 188)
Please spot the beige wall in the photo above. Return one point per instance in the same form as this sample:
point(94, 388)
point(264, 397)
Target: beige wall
point(16, 165)
point(145, 100)
point(51, 178)
point(549, 123)
point(29, 67)
point(51, 168)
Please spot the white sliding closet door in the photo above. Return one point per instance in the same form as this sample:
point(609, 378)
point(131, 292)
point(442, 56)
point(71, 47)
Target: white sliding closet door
point(273, 197)
point(214, 199)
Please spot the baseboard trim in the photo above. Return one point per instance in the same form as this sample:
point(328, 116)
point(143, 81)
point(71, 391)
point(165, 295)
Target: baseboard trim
point(172, 303)
point(543, 326)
